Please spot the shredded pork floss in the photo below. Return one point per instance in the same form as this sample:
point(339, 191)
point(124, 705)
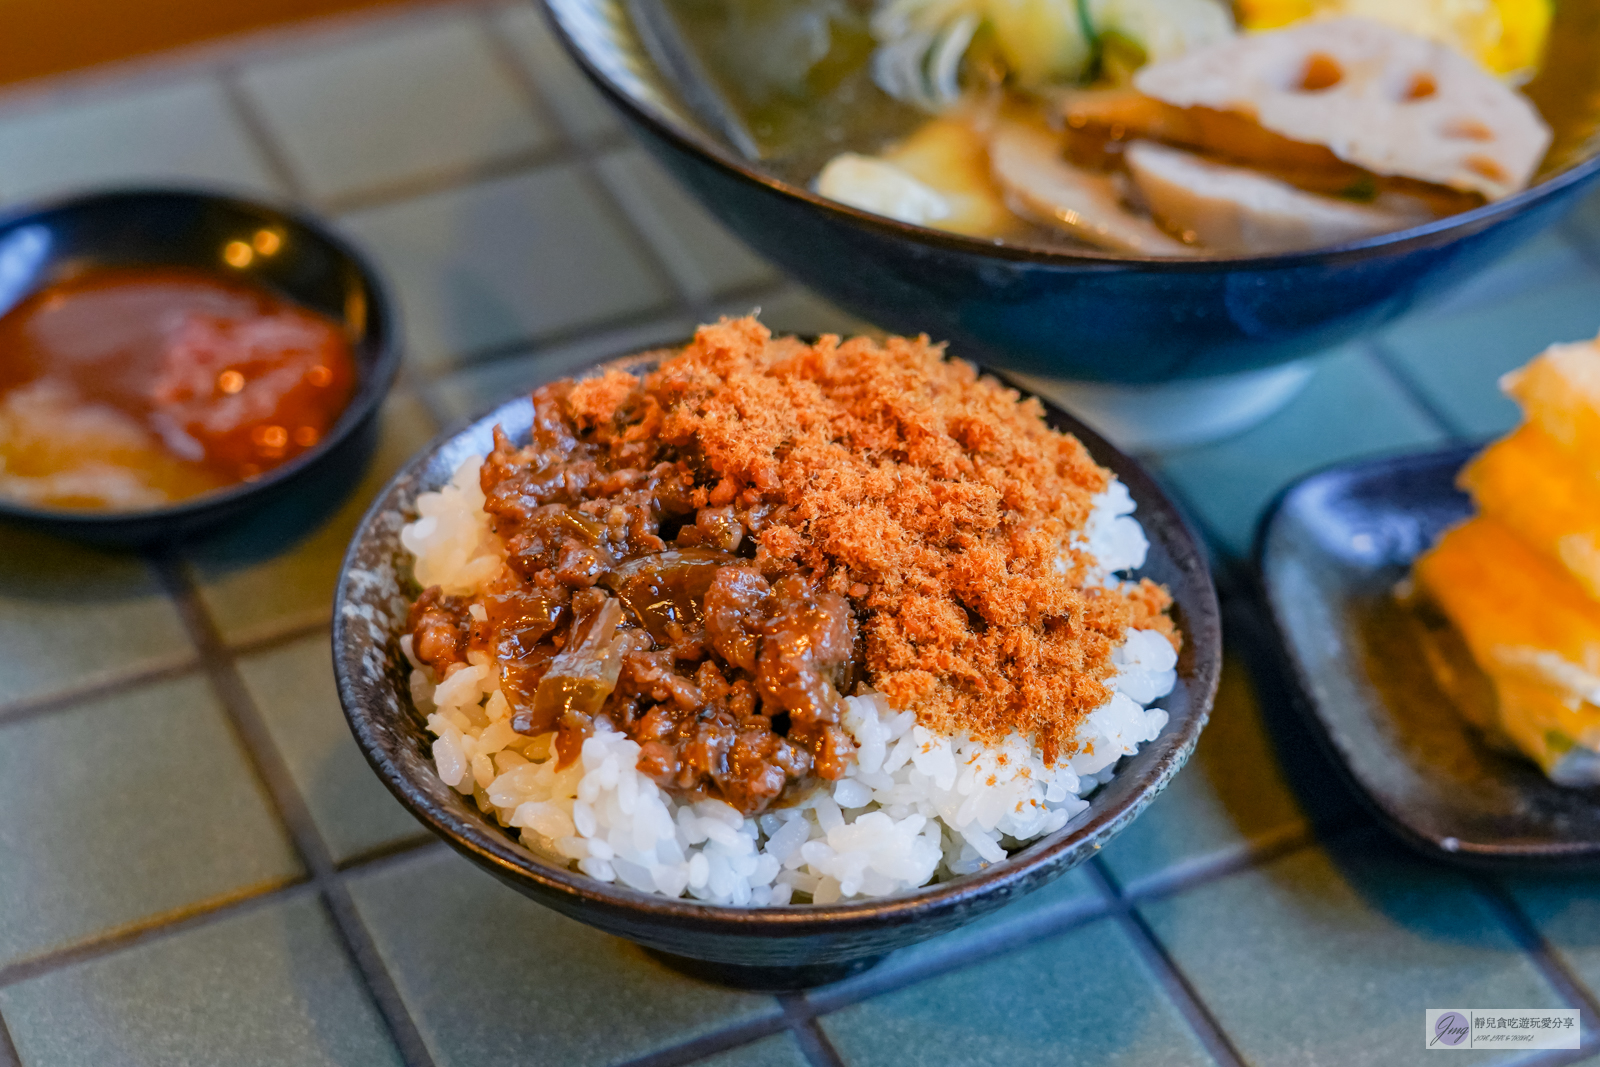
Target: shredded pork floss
point(937, 501)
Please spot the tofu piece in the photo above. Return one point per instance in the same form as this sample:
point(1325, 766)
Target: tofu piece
point(951, 157)
point(1231, 210)
point(1536, 489)
point(1560, 393)
point(881, 188)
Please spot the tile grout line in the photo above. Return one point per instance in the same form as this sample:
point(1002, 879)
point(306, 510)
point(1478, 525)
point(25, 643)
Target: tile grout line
point(1307, 835)
point(808, 1033)
point(9, 1056)
point(380, 856)
point(655, 263)
point(276, 639)
point(155, 928)
point(509, 60)
point(1179, 992)
point(1053, 922)
point(369, 963)
point(1539, 950)
point(587, 159)
point(1559, 1057)
point(292, 811)
point(443, 180)
point(215, 910)
point(705, 1045)
point(528, 347)
point(30, 708)
point(426, 378)
point(1576, 235)
point(38, 707)
point(1413, 391)
point(1182, 876)
point(1222, 564)
point(261, 136)
point(1050, 922)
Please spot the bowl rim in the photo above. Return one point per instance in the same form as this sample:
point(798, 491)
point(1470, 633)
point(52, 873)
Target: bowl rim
point(1395, 241)
point(490, 846)
point(372, 388)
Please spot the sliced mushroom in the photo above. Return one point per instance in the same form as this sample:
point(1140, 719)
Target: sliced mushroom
point(1044, 187)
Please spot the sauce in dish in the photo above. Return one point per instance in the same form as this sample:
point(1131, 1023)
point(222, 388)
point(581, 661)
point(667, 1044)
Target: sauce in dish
point(134, 387)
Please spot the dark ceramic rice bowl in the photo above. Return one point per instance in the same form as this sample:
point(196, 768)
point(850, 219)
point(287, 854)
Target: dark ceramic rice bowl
point(775, 947)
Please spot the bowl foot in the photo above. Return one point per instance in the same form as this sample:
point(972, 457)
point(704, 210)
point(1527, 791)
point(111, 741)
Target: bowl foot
point(1143, 418)
point(765, 979)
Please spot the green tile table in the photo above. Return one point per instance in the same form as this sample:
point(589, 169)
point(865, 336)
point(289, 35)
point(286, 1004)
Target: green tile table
point(196, 866)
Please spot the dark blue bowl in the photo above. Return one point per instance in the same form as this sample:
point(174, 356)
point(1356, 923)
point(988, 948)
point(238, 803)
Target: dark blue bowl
point(185, 228)
point(1087, 316)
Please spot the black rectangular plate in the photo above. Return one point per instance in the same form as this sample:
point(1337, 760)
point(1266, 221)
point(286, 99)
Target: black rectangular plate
point(1330, 554)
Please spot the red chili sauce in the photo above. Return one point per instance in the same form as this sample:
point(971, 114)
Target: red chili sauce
point(135, 387)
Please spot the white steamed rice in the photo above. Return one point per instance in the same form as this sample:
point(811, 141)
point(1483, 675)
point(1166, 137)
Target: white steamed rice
point(914, 807)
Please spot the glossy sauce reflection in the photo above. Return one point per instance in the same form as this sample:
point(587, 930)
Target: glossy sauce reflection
point(134, 387)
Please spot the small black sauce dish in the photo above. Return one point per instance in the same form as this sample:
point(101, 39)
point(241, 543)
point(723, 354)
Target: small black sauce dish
point(759, 948)
point(308, 264)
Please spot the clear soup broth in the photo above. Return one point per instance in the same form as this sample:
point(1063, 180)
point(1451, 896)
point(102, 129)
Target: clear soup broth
point(798, 74)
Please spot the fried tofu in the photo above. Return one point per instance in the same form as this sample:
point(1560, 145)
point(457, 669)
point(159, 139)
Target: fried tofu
point(1521, 582)
point(1534, 633)
point(1542, 493)
point(1518, 611)
point(1560, 393)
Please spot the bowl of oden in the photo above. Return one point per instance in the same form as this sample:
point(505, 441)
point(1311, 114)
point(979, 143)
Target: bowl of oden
point(775, 656)
point(1122, 199)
